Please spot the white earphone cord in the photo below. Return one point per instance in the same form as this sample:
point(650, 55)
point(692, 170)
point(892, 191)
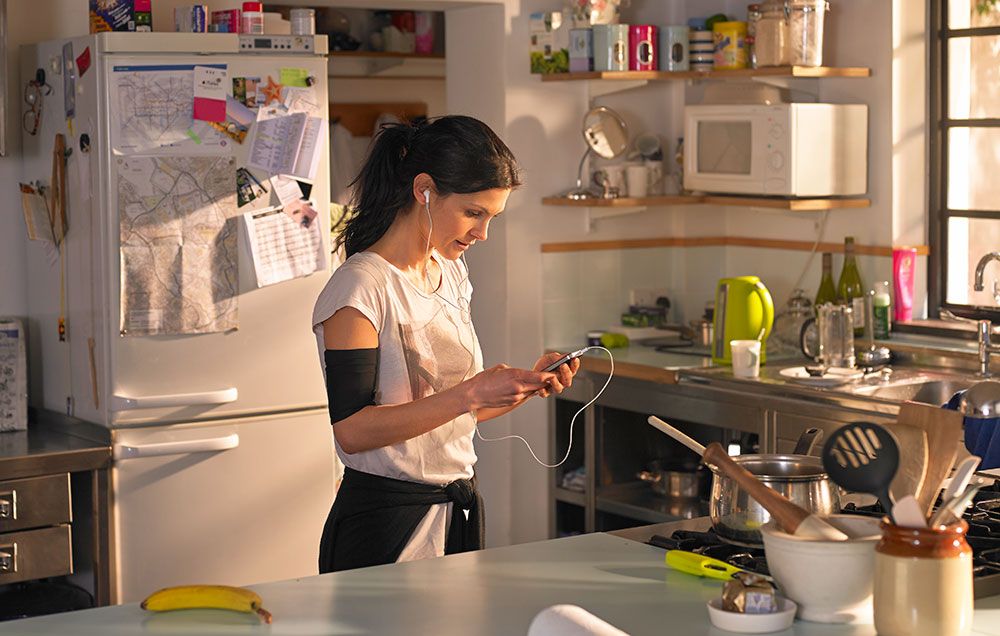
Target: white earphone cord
point(479, 433)
point(572, 422)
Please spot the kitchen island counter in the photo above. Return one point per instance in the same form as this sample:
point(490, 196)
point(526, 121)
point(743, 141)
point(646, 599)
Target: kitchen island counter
point(495, 591)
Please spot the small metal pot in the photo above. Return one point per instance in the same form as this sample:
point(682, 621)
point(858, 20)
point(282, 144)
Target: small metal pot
point(737, 517)
point(678, 479)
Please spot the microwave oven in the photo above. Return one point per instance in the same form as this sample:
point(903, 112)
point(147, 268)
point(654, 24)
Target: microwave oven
point(792, 150)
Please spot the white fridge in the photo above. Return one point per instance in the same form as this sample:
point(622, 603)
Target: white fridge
point(224, 466)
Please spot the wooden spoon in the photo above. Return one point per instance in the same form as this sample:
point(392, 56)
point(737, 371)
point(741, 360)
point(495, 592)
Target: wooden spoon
point(944, 432)
point(792, 518)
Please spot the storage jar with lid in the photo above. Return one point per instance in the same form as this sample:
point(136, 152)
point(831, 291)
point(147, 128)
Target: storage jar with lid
point(769, 39)
point(805, 31)
point(753, 16)
point(923, 581)
point(252, 20)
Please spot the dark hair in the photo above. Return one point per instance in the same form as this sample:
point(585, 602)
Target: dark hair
point(460, 153)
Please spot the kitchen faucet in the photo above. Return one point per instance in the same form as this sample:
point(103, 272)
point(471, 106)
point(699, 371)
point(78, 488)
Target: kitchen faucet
point(984, 328)
point(981, 267)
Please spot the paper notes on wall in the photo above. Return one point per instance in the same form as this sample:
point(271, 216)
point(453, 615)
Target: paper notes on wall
point(283, 247)
point(210, 93)
point(287, 144)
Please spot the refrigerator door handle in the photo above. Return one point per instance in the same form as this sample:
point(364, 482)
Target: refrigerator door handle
point(211, 445)
point(206, 398)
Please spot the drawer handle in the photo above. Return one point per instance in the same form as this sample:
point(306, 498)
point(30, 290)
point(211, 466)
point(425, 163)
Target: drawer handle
point(207, 398)
point(8, 558)
point(211, 445)
point(8, 504)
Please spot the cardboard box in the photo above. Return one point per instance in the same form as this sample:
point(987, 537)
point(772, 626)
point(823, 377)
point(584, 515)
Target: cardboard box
point(192, 18)
point(228, 20)
point(549, 32)
point(121, 15)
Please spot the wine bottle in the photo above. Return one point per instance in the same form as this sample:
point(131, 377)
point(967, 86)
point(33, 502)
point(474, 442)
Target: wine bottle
point(827, 293)
point(850, 289)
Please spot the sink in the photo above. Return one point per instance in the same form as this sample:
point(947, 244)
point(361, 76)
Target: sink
point(936, 391)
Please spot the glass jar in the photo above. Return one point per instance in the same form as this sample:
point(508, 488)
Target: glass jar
point(923, 581)
point(804, 39)
point(788, 323)
point(770, 35)
point(753, 16)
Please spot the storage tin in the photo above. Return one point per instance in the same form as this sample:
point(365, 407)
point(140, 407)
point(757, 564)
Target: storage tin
point(581, 50)
point(611, 47)
point(730, 45)
point(674, 48)
point(642, 48)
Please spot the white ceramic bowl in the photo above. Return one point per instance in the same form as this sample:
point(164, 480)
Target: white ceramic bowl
point(831, 581)
point(752, 623)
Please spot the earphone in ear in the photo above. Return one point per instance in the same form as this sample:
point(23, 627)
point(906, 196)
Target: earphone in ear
point(427, 196)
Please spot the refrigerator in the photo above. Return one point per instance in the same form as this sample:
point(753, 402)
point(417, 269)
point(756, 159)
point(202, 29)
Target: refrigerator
point(224, 468)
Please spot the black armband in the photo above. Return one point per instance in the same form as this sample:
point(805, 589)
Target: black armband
point(350, 381)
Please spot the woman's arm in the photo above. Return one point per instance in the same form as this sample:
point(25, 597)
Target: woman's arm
point(378, 426)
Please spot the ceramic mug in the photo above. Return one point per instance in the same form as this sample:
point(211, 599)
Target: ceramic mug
point(614, 175)
point(746, 358)
point(674, 47)
point(637, 180)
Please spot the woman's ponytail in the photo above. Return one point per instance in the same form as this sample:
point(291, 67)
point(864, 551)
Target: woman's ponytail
point(460, 153)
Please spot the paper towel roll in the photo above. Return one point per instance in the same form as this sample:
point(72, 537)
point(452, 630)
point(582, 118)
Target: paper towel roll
point(570, 620)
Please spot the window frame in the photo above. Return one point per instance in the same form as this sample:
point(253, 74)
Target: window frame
point(938, 211)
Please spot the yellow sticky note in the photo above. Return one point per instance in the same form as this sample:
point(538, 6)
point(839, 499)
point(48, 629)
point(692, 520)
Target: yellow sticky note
point(294, 77)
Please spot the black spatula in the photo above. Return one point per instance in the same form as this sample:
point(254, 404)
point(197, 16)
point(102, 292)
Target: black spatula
point(863, 457)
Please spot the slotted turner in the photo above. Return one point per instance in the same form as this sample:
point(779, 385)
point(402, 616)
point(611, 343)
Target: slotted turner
point(863, 457)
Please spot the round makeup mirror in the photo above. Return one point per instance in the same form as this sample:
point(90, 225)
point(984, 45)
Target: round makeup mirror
point(606, 135)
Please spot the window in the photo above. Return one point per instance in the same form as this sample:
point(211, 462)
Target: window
point(964, 155)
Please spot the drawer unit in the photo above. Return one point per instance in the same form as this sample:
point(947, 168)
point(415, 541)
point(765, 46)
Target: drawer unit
point(35, 554)
point(34, 502)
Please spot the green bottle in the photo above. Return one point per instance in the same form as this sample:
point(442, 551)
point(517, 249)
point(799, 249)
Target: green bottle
point(850, 289)
point(881, 309)
point(827, 293)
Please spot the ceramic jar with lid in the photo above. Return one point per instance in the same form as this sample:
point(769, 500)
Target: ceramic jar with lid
point(923, 581)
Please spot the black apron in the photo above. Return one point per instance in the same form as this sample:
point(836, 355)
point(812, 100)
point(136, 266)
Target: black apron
point(373, 517)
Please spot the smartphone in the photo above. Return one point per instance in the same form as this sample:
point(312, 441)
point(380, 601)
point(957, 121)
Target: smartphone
point(564, 359)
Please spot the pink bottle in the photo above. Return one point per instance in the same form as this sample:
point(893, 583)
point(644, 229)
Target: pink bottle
point(904, 260)
point(642, 45)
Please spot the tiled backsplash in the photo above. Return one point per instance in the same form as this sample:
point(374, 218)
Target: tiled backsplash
point(590, 289)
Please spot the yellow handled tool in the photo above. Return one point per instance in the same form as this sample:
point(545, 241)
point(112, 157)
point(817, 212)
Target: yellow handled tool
point(700, 565)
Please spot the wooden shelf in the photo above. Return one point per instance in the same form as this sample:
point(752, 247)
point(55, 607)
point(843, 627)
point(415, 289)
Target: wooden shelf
point(794, 205)
point(387, 54)
point(775, 71)
point(716, 241)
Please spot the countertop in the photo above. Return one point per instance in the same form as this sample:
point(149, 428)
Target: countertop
point(53, 443)
point(495, 591)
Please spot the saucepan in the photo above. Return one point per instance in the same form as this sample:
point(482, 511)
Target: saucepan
point(737, 517)
point(678, 478)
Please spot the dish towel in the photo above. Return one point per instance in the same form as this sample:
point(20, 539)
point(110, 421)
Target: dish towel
point(982, 437)
point(570, 620)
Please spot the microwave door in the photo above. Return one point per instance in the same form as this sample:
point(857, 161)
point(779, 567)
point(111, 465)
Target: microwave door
point(724, 155)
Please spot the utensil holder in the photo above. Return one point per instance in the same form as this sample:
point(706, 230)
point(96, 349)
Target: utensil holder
point(923, 581)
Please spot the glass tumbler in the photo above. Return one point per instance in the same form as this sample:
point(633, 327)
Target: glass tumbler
point(836, 335)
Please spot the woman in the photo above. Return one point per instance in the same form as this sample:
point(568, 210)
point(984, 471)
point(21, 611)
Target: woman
point(403, 367)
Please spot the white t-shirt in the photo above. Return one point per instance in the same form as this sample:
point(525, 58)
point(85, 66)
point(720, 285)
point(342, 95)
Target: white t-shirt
point(426, 344)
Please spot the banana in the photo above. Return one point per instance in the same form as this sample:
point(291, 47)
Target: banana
point(238, 599)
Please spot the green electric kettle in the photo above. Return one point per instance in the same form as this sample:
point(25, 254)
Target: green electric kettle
point(743, 307)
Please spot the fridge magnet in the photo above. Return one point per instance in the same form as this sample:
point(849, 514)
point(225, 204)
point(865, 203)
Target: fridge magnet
point(247, 90)
point(248, 187)
point(272, 91)
point(301, 212)
point(209, 93)
point(83, 61)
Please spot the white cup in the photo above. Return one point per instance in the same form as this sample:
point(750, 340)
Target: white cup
point(746, 358)
point(637, 180)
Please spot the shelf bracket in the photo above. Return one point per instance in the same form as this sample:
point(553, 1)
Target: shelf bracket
point(599, 88)
point(592, 215)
